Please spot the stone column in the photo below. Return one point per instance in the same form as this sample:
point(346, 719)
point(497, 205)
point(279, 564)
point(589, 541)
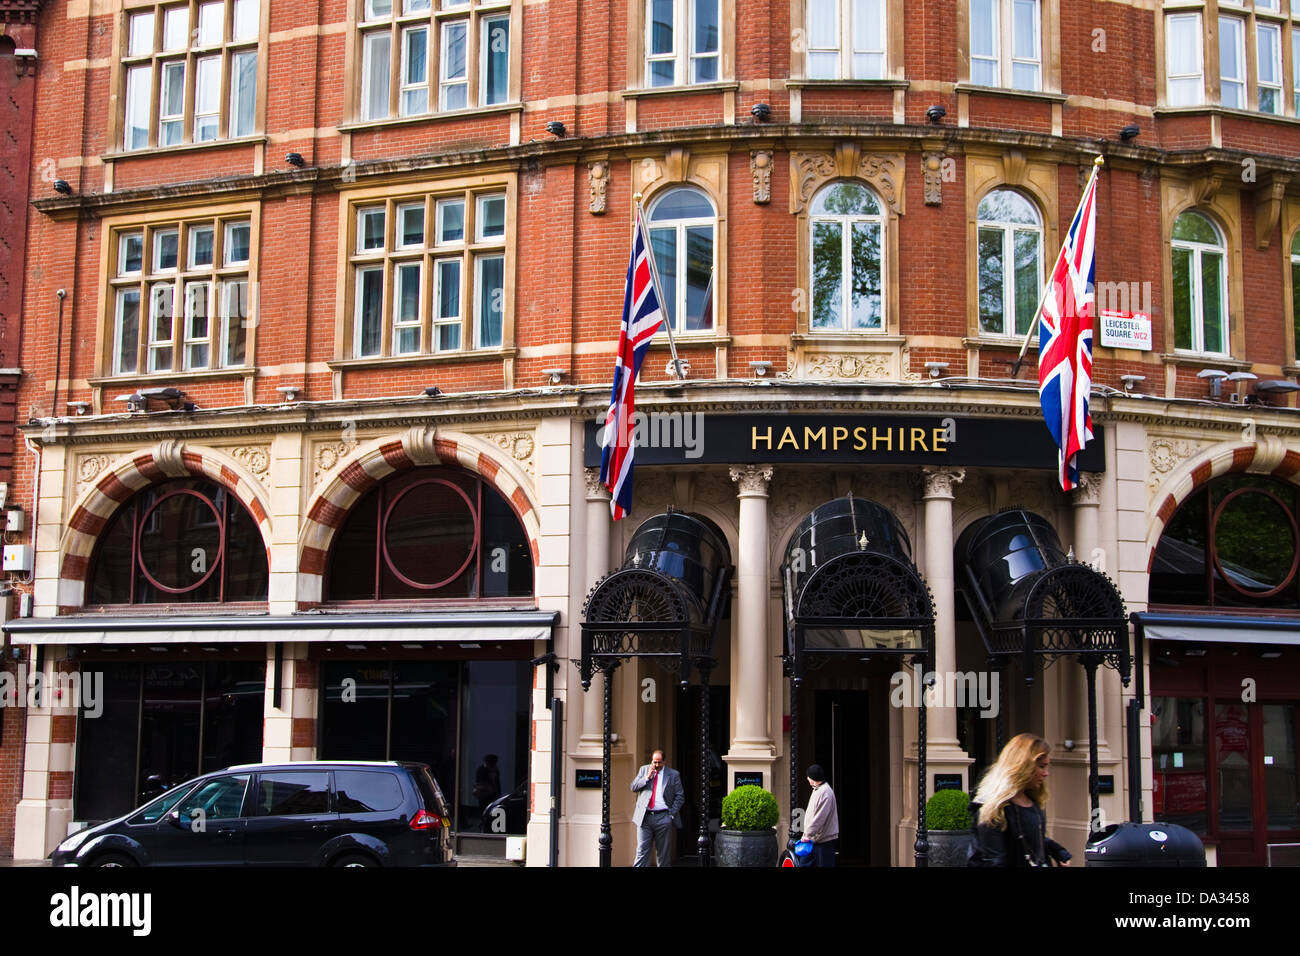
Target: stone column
point(752, 747)
point(597, 566)
point(944, 754)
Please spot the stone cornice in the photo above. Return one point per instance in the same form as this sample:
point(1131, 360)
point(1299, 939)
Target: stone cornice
point(20, 11)
point(873, 137)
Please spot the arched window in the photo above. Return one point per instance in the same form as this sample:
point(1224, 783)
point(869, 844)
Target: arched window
point(430, 533)
point(847, 225)
point(683, 229)
point(179, 542)
point(1200, 295)
point(1233, 543)
point(1295, 288)
point(1010, 262)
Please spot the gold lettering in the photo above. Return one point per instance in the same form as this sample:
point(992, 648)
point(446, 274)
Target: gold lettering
point(838, 434)
point(859, 438)
point(787, 436)
point(889, 438)
point(810, 436)
point(918, 435)
point(939, 440)
point(754, 439)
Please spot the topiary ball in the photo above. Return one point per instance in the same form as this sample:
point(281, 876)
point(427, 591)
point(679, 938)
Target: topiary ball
point(749, 808)
point(948, 810)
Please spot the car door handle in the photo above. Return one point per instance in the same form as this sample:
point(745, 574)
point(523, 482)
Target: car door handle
point(320, 826)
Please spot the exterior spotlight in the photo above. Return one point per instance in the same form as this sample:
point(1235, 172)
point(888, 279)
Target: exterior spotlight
point(79, 408)
point(61, 186)
point(295, 159)
point(1131, 381)
point(555, 128)
point(134, 401)
point(290, 392)
point(761, 112)
point(936, 113)
point(1130, 132)
point(760, 368)
point(1216, 377)
point(555, 374)
point(936, 368)
point(433, 391)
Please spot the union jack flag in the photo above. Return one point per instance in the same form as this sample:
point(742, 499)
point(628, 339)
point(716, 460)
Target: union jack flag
point(642, 316)
point(1065, 339)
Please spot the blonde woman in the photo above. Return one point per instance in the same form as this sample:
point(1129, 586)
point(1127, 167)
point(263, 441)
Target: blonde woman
point(1011, 809)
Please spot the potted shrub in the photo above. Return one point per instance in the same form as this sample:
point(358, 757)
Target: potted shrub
point(947, 817)
point(748, 834)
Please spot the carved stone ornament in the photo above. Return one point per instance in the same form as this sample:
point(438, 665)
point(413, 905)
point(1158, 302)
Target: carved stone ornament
point(1166, 454)
point(712, 489)
point(939, 482)
point(752, 480)
point(1088, 491)
point(810, 171)
point(518, 445)
point(596, 490)
point(256, 459)
point(760, 165)
point(598, 181)
point(1034, 494)
point(870, 365)
point(168, 456)
point(89, 468)
point(327, 455)
point(932, 164)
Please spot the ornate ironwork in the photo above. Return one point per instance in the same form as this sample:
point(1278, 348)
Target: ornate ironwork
point(867, 585)
point(922, 847)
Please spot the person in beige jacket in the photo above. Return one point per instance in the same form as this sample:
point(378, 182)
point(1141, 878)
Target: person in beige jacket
point(821, 821)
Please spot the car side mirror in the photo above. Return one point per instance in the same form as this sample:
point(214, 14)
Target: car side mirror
point(174, 818)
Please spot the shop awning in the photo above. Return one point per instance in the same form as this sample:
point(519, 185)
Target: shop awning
point(427, 627)
point(1219, 628)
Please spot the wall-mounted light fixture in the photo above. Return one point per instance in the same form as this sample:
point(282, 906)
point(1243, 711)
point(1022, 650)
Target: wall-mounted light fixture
point(432, 391)
point(62, 186)
point(134, 401)
point(760, 368)
point(79, 408)
point(1130, 132)
point(290, 392)
point(295, 159)
point(761, 112)
point(555, 374)
point(1216, 377)
point(1131, 381)
point(936, 113)
point(556, 128)
point(936, 368)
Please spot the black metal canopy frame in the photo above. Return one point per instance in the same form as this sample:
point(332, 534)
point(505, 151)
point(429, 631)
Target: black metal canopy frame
point(851, 591)
point(665, 603)
point(1032, 602)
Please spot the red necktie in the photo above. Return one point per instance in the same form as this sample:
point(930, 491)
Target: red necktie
point(653, 777)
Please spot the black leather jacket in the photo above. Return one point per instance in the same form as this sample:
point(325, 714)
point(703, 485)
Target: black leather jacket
point(1023, 843)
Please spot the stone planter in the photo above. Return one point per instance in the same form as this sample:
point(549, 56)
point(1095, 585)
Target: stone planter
point(948, 847)
point(745, 848)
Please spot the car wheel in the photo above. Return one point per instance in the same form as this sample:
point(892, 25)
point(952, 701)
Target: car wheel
point(113, 859)
point(355, 859)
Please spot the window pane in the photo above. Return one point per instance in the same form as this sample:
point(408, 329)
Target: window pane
point(1183, 46)
point(176, 28)
point(824, 24)
point(374, 76)
point(1212, 301)
point(219, 799)
point(1027, 283)
point(211, 23)
point(451, 221)
point(171, 107)
point(1025, 39)
point(196, 324)
point(370, 229)
point(984, 28)
point(410, 220)
point(130, 253)
point(128, 330)
point(496, 72)
point(704, 45)
point(1232, 67)
point(1280, 767)
point(243, 93)
point(992, 309)
point(661, 26)
point(415, 6)
point(1024, 76)
point(1178, 755)
point(828, 259)
point(237, 237)
point(162, 325)
point(664, 244)
point(1182, 261)
point(165, 245)
point(1195, 228)
point(699, 278)
point(245, 27)
point(1270, 68)
point(491, 217)
point(366, 791)
point(379, 9)
point(1295, 70)
point(370, 291)
point(235, 313)
point(406, 308)
point(292, 793)
point(200, 246)
point(448, 291)
point(138, 82)
point(866, 275)
point(455, 91)
point(207, 99)
point(846, 199)
point(491, 300)
point(1232, 752)
point(1295, 300)
point(1005, 205)
point(415, 71)
point(448, 337)
point(868, 20)
point(141, 41)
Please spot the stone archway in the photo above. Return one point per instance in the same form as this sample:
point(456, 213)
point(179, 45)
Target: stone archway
point(416, 447)
point(133, 473)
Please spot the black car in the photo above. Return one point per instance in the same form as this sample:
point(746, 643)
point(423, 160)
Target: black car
point(314, 813)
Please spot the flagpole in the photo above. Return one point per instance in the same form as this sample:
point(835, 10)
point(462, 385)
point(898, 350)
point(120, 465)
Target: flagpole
point(1097, 163)
point(659, 289)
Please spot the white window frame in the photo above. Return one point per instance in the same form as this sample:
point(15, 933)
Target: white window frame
point(1240, 25)
point(846, 224)
point(846, 12)
point(1004, 45)
point(1194, 17)
point(1261, 86)
point(1197, 249)
point(680, 226)
point(1008, 230)
point(683, 55)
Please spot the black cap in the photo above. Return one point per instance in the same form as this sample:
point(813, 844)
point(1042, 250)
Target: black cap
point(816, 774)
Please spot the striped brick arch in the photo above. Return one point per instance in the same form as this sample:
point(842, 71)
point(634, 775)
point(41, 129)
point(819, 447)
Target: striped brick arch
point(1269, 455)
point(414, 448)
point(133, 473)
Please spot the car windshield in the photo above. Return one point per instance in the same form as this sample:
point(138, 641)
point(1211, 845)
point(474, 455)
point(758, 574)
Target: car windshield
point(155, 811)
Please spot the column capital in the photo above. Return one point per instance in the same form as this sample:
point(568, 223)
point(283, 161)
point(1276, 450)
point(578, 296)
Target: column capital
point(939, 482)
point(596, 490)
point(1088, 491)
point(752, 480)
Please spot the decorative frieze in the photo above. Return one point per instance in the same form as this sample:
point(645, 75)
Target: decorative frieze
point(863, 365)
point(256, 458)
point(1165, 455)
point(760, 166)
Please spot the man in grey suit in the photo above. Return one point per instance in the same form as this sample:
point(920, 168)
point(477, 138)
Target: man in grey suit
point(659, 800)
